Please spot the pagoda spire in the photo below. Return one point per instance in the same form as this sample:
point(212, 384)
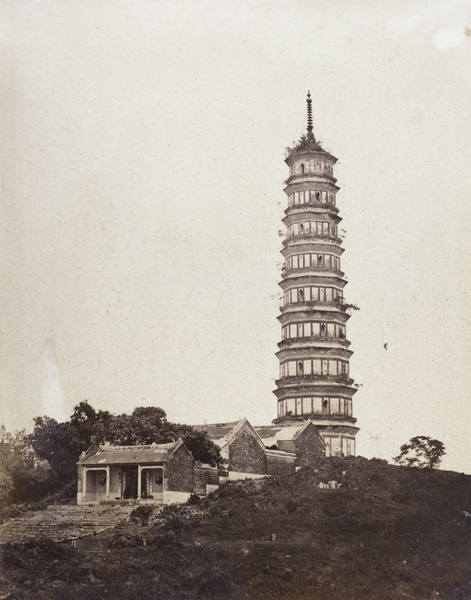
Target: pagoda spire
point(309, 116)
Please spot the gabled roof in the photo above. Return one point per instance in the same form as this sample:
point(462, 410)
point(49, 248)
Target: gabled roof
point(269, 435)
point(272, 434)
point(125, 455)
point(240, 425)
point(216, 431)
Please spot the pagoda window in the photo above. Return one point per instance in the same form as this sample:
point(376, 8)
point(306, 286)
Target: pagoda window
point(318, 196)
point(300, 295)
point(306, 408)
point(325, 406)
point(301, 197)
point(299, 406)
point(334, 406)
point(317, 366)
point(307, 330)
point(325, 367)
point(328, 292)
point(300, 330)
point(291, 368)
point(322, 294)
point(300, 368)
point(302, 167)
point(323, 329)
point(295, 262)
point(333, 367)
point(325, 228)
point(317, 405)
point(342, 331)
point(307, 367)
point(290, 406)
point(315, 329)
point(320, 260)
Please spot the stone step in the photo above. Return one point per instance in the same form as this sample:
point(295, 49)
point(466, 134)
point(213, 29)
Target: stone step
point(62, 522)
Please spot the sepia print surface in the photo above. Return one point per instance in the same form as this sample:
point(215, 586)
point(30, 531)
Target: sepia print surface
point(235, 271)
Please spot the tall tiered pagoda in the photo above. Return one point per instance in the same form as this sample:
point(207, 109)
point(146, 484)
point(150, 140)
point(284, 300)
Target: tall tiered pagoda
point(314, 351)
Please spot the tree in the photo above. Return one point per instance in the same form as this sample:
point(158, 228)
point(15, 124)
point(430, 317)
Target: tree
point(422, 452)
point(54, 442)
point(20, 479)
point(61, 443)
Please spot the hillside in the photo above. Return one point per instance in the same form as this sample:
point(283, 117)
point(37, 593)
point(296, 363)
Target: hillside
point(388, 533)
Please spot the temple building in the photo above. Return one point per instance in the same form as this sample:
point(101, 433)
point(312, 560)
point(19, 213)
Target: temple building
point(314, 381)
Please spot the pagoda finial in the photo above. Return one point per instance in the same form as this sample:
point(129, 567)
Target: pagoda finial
point(309, 113)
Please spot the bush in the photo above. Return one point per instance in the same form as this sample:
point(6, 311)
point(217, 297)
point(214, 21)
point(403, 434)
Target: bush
point(141, 514)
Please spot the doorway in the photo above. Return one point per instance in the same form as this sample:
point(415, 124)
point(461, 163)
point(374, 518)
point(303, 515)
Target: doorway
point(129, 482)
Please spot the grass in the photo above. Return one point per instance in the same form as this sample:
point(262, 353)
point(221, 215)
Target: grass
point(388, 533)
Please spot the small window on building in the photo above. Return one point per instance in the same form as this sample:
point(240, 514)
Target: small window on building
point(318, 196)
point(320, 260)
point(302, 167)
point(325, 406)
point(300, 368)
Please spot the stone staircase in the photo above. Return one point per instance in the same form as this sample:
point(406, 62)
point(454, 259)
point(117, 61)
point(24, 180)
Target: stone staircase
point(63, 522)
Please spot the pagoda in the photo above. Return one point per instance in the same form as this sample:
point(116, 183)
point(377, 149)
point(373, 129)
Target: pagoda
point(314, 381)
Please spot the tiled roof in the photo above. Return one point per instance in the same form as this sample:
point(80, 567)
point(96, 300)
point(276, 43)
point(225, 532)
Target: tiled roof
point(271, 435)
point(216, 431)
point(125, 455)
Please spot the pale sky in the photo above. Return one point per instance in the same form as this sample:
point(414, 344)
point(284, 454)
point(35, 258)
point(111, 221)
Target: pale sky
point(142, 195)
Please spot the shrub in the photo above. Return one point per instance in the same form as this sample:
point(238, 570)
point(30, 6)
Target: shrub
point(194, 499)
point(141, 514)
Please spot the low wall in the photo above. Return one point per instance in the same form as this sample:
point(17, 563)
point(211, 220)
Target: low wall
point(175, 497)
point(236, 476)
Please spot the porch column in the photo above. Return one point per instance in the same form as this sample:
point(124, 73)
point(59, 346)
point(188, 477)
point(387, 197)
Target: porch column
point(84, 481)
point(107, 493)
point(139, 491)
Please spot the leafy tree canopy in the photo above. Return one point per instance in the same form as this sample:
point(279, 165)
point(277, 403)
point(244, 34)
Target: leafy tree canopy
point(19, 479)
point(61, 443)
point(422, 452)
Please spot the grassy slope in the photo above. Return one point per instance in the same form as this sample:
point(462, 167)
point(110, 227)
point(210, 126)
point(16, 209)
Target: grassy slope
point(388, 533)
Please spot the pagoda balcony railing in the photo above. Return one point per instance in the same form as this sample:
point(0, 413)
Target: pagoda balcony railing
point(314, 338)
point(312, 237)
point(323, 417)
point(327, 206)
point(310, 175)
point(304, 271)
point(313, 304)
point(345, 379)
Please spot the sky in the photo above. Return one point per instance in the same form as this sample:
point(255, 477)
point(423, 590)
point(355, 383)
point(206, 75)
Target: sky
point(142, 196)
